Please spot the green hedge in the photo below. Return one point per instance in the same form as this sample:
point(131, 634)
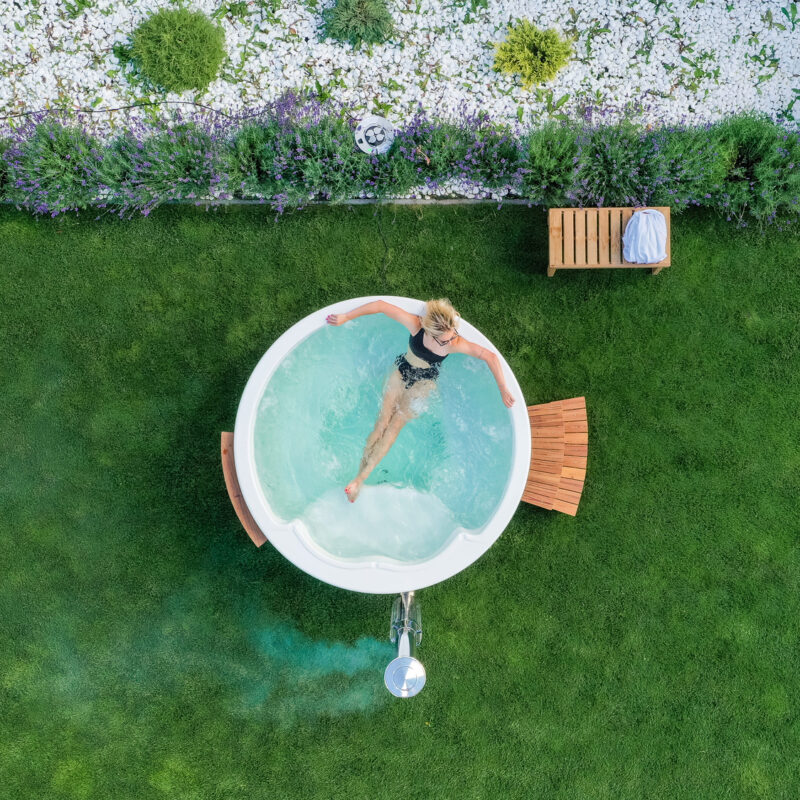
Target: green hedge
point(747, 167)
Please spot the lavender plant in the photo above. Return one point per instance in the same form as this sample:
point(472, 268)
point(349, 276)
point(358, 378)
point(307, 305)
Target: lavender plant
point(252, 160)
point(614, 167)
point(181, 162)
point(689, 166)
point(320, 161)
point(398, 171)
point(52, 168)
point(5, 145)
point(301, 147)
point(762, 179)
point(471, 151)
point(551, 155)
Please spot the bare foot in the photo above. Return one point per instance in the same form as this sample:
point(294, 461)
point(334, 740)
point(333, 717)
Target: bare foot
point(352, 489)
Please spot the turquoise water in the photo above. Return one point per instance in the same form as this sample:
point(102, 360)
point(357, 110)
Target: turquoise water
point(448, 468)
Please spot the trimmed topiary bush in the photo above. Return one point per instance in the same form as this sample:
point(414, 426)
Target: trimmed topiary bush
point(175, 50)
point(533, 54)
point(357, 21)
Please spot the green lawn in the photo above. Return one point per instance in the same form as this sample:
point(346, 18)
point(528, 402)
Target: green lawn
point(646, 649)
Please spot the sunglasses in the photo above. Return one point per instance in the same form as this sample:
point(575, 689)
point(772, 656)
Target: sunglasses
point(446, 341)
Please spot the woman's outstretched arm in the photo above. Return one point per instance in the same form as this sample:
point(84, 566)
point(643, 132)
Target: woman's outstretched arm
point(411, 321)
point(461, 345)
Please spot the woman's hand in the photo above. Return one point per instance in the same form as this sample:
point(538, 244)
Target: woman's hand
point(508, 398)
point(336, 319)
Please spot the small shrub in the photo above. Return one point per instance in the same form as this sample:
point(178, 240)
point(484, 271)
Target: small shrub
point(762, 176)
point(321, 160)
point(54, 170)
point(252, 160)
point(533, 54)
point(399, 170)
point(471, 151)
point(302, 150)
point(357, 21)
point(5, 145)
point(615, 167)
point(689, 167)
point(476, 153)
point(551, 153)
point(175, 50)
point(178, 163)
point(120, 158)
point(333, 167)
point(395, 172)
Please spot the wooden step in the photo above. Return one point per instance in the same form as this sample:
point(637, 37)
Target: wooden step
point(559, 450)
point(235, 493)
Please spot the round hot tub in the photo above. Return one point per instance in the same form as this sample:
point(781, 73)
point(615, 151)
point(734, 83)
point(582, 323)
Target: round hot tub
point(438, 500)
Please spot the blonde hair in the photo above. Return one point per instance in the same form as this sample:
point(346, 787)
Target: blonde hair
point(440, 317)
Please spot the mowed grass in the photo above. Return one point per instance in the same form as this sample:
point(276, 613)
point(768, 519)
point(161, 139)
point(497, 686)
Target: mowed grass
point(646, 649)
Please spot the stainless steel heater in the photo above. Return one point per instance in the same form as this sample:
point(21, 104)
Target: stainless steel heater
point(405, 675)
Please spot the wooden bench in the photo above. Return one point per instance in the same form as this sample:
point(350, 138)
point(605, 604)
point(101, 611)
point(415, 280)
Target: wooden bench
point(591, 238)
point(559, 449)
point(235, 493)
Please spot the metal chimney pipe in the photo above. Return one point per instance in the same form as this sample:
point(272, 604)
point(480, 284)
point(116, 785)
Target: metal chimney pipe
point(405, 675)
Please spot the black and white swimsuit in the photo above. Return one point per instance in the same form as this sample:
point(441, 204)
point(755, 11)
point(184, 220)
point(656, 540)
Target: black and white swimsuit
point(424, 363)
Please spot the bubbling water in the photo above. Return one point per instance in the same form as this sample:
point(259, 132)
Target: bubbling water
point(380, 519)
point(448, 467)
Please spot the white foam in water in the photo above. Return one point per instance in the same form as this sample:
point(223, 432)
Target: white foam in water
point(397, 522)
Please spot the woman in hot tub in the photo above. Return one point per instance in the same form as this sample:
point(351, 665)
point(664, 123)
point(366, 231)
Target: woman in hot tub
point(433, 337)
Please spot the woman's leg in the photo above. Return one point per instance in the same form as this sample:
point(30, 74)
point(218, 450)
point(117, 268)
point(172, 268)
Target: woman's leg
point(391, 402)
point(399, 412)
point(376, 453)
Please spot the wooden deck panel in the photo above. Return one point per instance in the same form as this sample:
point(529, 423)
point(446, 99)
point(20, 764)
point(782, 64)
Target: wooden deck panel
point(565, 508)
point(235, 493)
point(572, 427)
point(574, 402)
point(558, 455)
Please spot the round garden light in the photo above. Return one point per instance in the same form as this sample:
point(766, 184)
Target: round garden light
point(374, 135)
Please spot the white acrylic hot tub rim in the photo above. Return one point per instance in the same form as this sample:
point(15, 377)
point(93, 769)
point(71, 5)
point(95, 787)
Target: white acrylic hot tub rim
point(375, 574)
